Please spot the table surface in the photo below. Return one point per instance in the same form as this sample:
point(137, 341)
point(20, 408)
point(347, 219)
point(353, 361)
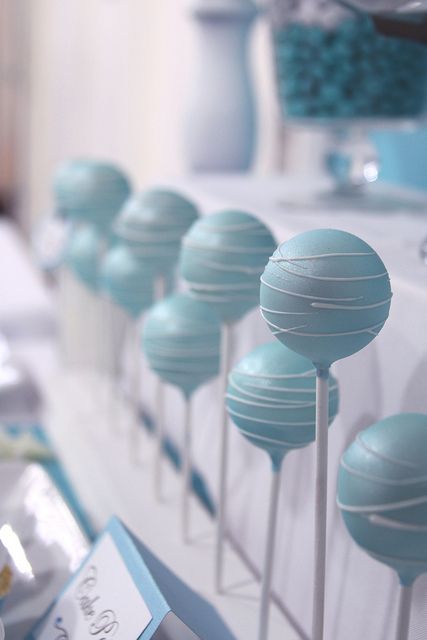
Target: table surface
point(385, 378)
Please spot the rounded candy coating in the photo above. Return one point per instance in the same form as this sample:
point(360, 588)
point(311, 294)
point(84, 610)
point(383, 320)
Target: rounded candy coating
point(181, 340)
point(127, 279)
point(325, 294)
point(82, 253)
point(90, 190)
point(271, 398)
point(222, 258)
point(382, 492)
point(152, 224)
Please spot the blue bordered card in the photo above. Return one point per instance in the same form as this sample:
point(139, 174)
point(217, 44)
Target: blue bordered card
point(123, 592)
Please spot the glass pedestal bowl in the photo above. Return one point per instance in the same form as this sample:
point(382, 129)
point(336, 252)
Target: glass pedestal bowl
point(336, 72)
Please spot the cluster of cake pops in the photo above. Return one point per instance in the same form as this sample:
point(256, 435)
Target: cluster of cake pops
point(325, 294)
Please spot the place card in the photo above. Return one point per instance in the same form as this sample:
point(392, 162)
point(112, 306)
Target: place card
point(102, 601)
point(124, 592)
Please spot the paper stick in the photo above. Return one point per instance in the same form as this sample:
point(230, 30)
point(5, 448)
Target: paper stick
point(223, 466)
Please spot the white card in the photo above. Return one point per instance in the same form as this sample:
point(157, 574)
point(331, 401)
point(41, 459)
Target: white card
point(101, 603)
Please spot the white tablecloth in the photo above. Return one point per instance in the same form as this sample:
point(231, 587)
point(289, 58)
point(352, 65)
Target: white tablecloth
point(385, 378)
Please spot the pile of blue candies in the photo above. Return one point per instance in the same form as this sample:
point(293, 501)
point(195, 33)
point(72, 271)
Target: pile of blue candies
point(349, 71)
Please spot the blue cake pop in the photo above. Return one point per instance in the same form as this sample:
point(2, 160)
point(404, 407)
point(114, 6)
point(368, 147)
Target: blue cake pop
point(128, 280)
point(325, 294)
point(64, 181)
point(271, 398)
point(181, 341)
point(90, 191)
point(152, 223)
point(382, 493)
point(222, 258)
point(82, 254)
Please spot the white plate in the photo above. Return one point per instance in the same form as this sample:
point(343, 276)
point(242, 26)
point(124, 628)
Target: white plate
point(41, 541)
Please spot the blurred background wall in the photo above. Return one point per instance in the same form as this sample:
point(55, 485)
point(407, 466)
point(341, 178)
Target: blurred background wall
point(106, 78)
point(110, 78)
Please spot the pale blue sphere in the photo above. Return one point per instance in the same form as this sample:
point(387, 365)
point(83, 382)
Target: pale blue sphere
point(222, 258)
point(181, 340)
point(83, 251)
point(153, 223)
point(382, 493)
point(325, 294)
point(128, 280)
point(271, 398)
point(90, 190)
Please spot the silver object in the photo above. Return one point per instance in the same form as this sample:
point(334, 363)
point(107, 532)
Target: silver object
point(39, 539)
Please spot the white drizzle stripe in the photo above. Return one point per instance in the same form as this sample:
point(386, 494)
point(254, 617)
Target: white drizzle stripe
point(311, 373)
point(388, 523)
point(382, 456)
point(320, 255)
point(273, 405)
point(293, 330)
point(278, 423)
point(391, 506)
point(287, 313)
point(238, 387)
point(404, 482)
point(265, 398)
point(333, 278)
point(192, 244)
point(254, 436)
point(290, 389)
point(307, 297)
point(325, 305)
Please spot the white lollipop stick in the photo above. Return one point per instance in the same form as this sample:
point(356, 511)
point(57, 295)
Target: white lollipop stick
point(404, 613)
point(113, 388)
point(160, 292)
point(269, 557)
point(160, 432)
point(186, 471)
point(223, 466)
point(63, 312)
point(320, 512)
point(135, 431)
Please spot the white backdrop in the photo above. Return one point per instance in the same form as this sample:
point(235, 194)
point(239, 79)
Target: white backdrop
point(109, 78)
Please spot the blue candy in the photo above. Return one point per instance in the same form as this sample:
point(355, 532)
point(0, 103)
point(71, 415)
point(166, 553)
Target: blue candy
point(181, 341)
point(271, 398)
point(382, 493)
point(222, 258)
point(325, 294)
point(152, 225)
point(128, 280)
point(82, 253)
point(90, 190)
